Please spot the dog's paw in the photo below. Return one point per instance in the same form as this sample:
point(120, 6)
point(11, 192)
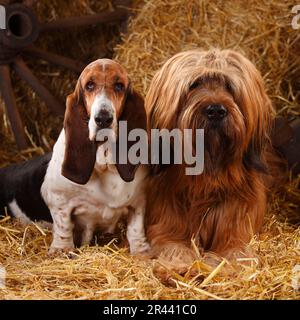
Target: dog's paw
point(142, 248)
point(168, 273)
point(57, 251)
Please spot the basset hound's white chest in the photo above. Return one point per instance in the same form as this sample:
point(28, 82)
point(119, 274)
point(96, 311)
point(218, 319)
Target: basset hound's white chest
point(105, 186)
point(105, 189)
point(103, 201)
point(109, 189)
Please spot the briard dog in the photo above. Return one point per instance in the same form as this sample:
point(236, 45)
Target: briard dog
point(223, 93)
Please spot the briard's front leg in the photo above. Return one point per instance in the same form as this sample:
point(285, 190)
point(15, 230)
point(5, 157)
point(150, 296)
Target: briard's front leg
point(229, 227)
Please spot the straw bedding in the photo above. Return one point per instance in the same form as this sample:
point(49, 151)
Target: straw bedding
point(159, 29)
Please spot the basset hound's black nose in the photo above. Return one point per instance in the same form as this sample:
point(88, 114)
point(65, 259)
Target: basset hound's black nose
point(104, 119)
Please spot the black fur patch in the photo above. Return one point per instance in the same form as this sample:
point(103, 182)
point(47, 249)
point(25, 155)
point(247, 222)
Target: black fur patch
point(252, 160)
point(23, 182)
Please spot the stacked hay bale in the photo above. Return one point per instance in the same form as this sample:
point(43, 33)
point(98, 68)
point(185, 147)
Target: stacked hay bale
point(260, 30)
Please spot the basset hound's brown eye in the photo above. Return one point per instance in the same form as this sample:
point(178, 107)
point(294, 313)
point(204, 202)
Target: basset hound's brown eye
point(119, 87)
point(90, 86)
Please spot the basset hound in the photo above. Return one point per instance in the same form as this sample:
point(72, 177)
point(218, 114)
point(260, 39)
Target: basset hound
point(77, 185)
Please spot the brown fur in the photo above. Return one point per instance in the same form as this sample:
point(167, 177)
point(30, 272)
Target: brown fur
point(223, 207)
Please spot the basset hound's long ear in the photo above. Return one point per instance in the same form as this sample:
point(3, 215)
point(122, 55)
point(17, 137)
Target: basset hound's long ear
point(80, 152)
point(135, 114)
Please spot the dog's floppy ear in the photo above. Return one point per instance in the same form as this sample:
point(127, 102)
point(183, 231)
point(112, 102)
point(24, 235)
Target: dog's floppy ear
point(253, 158)
point(135, 115)
point(80, 152)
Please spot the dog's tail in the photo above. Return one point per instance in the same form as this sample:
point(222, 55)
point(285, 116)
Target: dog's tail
point(286, 141)
point(3, 197)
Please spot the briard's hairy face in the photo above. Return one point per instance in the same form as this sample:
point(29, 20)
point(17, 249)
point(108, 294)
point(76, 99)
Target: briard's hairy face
point(209, 104)
point(220, 92)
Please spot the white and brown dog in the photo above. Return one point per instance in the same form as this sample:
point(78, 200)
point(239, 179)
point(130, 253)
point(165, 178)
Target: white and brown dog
point(77, 183)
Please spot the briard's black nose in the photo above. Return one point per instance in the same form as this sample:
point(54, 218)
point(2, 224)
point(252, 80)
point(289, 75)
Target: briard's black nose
point(215, 112)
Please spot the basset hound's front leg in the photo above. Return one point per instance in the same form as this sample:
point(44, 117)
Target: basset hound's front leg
point(62, 229)
point(136, 229)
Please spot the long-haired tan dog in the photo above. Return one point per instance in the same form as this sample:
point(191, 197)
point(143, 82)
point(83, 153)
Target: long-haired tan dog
point(223, 93)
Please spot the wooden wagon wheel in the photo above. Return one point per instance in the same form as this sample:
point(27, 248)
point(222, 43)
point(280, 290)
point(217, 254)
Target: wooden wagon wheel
point(22, 30)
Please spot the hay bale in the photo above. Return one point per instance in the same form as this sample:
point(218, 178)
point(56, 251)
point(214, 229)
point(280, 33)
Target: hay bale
point(260, 30)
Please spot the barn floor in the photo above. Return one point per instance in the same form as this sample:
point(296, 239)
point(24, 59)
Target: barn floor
point(106, 272)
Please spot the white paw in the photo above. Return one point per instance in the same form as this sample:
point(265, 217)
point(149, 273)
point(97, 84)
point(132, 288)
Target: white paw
point(58, 250)
point(143, 247)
